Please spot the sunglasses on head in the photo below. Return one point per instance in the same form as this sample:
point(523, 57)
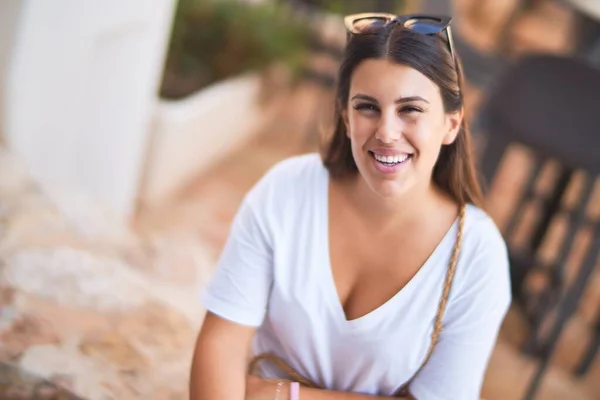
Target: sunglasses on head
point(423, 24)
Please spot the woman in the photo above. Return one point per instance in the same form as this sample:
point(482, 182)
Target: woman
point(373, 267)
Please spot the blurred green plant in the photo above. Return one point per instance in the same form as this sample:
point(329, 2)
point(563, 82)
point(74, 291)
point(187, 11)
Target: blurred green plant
point(216, 39)
point(356, 6)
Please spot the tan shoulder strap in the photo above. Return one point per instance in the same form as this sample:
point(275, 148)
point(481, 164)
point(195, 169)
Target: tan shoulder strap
point(437, 327)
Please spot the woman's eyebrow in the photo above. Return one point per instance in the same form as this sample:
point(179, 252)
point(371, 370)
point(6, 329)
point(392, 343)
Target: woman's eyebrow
point(410, 98)
point(360, 96)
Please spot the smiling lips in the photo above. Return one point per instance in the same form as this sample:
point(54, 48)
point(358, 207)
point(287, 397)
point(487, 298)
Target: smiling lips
point(390, 156)
point(399, 158)
point(389, 161)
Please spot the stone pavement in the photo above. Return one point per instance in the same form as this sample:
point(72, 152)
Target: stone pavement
point(88, 305)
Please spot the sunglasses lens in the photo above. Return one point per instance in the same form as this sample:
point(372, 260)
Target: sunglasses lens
point(427, 26)
point(369, 23)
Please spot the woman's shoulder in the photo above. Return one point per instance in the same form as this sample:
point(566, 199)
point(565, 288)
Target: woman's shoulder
point(481, 292)
point(481, 231)
point(484, 253)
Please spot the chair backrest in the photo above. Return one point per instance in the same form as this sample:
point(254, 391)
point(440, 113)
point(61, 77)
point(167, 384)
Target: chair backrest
point(551, 105)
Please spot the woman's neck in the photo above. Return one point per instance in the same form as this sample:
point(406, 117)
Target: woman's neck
point(403, 210)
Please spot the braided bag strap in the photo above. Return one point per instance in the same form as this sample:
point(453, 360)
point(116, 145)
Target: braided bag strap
point(283, 366)
point(437, 327)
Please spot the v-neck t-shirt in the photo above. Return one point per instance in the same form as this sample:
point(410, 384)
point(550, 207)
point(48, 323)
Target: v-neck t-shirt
point(274, 274)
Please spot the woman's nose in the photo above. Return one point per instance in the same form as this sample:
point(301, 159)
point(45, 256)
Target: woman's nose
point(390, 128)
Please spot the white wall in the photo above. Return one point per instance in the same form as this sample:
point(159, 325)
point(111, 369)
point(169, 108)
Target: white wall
point(189, 135)
point(9, 17)
point(80, 92)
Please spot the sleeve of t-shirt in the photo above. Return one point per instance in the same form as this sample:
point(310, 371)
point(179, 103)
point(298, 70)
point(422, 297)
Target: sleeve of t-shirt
point(239, 288)
point(458, 363)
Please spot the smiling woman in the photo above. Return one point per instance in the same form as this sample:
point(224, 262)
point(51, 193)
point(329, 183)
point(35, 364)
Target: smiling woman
point(390, 120)
point(372, 270)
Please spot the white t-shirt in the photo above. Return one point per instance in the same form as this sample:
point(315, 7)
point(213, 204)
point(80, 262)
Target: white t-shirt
point(274, 274)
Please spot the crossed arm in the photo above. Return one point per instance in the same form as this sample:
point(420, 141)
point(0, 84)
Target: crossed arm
point(219, 368)
point(257, 388)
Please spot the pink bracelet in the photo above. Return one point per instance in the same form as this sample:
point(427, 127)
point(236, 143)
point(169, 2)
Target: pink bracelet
point(294, 391)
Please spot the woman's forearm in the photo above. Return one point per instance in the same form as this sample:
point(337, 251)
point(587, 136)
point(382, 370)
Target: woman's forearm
point(319, 394)
point(217, 375)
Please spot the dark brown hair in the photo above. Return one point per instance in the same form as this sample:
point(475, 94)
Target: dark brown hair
point(454, 171)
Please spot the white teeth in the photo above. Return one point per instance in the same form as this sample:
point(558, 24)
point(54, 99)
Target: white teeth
point(391, 159)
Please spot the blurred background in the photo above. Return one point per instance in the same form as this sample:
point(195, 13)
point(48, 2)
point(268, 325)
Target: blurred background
point(131, 130)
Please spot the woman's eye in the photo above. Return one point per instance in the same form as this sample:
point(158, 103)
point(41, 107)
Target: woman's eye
point(410, 110)
point(366, 107)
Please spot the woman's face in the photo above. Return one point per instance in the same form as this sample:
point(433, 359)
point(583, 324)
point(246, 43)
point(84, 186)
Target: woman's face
point(396, 122)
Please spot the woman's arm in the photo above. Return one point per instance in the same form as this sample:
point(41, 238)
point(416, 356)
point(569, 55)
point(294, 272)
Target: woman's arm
point(318, 394)
point(258, 387)
point(236, 299)
point(219, 368)
point(219, 365)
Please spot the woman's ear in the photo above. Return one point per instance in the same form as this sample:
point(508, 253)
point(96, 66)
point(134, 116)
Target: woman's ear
point(452, 126)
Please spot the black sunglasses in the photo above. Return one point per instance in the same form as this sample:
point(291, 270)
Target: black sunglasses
point(424, 24)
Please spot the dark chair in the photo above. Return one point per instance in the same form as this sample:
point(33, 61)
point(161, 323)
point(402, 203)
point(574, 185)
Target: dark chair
point(480, 69)
point(551, 105)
